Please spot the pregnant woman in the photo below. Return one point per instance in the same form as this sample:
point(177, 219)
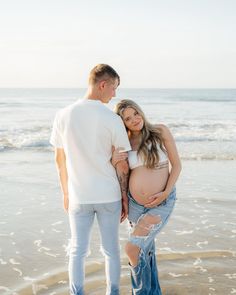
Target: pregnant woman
point(154, 168)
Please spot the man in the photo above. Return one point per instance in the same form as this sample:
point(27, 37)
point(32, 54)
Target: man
point(83, 135)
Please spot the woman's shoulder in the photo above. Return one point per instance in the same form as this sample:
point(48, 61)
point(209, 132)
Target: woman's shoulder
point(161, 127)
point(163, 130)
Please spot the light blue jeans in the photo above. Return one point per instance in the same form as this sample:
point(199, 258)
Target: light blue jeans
point(144, 276)
point(81, 219)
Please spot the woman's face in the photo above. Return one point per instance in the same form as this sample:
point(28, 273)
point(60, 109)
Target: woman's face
point(132, 119)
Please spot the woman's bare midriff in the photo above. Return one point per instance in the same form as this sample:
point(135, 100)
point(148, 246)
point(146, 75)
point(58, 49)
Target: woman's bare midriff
point(144, 182)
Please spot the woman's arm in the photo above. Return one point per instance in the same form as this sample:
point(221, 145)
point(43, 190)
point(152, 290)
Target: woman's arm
point(170, 146)
point(60, 159)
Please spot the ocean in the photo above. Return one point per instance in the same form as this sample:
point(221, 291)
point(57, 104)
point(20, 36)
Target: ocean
point(196, 250)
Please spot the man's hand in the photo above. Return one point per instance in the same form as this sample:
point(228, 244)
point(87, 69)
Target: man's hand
point(60, 158)
point(156, 199)
point(66, 203)
point(125, 208)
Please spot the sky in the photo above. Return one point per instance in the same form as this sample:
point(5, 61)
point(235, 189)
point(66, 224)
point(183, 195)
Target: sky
point(150, 43)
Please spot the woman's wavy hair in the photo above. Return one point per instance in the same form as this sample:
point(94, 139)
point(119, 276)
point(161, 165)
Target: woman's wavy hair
point(150, 135)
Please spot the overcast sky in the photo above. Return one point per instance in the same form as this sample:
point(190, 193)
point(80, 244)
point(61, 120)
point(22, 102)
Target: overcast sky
point(151, 43)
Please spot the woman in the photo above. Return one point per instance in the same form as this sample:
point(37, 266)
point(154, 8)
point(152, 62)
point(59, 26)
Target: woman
point(152, 191)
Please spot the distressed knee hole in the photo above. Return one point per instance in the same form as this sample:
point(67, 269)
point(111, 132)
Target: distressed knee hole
point(145, 224)
point(132, 252)
point(131, 249)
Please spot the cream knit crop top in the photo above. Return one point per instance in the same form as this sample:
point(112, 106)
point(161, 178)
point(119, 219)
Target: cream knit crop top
point(136, 161)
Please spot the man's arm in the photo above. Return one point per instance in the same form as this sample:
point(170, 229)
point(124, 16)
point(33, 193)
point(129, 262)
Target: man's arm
point(122, 171)
point(60, 159)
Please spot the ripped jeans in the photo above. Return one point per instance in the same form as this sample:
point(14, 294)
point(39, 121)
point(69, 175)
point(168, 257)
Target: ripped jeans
point(149, 222)
point(81, 219)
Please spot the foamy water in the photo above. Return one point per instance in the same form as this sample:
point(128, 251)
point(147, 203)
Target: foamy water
point(196, 250)
point(202, 121)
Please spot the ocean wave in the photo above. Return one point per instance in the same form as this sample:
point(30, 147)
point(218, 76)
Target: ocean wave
point(45, 146)
point(209, 157)
point(192, 144)
point(23, 138)
point(202, 124)
point(202, 138)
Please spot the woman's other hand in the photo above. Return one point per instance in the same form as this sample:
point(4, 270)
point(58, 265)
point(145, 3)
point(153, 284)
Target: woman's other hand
point(118, 155)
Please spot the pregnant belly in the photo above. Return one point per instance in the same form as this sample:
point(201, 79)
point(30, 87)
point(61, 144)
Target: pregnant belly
point(144, 182)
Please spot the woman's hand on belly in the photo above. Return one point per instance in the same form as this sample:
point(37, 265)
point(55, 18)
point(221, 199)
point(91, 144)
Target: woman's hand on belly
point(156, 199)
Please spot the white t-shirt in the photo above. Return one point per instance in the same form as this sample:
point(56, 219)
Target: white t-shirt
point(86, 130)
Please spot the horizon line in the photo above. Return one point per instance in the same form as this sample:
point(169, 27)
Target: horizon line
point(157, 88)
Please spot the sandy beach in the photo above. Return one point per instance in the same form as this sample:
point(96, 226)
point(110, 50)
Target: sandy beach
point(196, 250)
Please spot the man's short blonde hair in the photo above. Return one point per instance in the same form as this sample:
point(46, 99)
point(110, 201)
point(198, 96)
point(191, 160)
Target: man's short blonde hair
point(102, 72)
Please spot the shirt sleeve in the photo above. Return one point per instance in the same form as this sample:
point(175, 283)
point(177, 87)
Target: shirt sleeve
point(119, 135)
point(56, 135)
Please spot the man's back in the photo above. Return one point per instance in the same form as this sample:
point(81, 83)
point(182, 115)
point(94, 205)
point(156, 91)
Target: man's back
point(86, 130)
point(83, 135)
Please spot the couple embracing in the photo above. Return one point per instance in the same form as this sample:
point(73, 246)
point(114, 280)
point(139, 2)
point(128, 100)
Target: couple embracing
point(114, 165)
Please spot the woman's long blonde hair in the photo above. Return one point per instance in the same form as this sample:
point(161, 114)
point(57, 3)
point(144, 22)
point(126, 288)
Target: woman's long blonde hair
point(150, 135)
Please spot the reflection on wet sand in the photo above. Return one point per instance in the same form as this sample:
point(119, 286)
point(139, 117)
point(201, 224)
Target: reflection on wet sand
point(202, 268)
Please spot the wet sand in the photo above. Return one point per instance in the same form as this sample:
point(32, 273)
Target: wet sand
point(196, 250)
